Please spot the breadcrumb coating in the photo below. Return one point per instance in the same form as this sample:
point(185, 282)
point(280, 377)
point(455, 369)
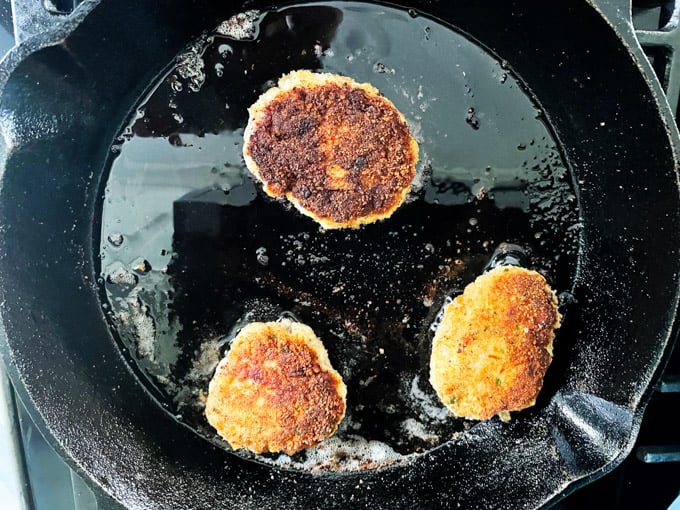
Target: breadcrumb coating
point(337, 149)
point(494, 344)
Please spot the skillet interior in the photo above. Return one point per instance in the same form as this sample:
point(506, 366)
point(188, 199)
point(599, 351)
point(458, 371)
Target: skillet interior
point(211, 251)
point(59, 348)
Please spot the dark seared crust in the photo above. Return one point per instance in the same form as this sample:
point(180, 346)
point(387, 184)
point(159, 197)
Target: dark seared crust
point(494, 344)
point(338, 151)
point(274, 392)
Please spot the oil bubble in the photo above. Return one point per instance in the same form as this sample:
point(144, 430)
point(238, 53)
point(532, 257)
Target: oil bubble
point(241, 26)
point(225, 50)
point(261, 256)
point(141, 265)
point(471, 118)
point(175, 84)
point(117, 274)
point(115, 239)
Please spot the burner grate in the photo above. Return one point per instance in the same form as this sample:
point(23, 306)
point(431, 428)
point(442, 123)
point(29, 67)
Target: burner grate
point(657, 26)
point(668, 390)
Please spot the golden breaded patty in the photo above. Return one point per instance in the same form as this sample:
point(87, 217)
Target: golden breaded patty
point(494, 344)
point(275, 390)
point(338, 150)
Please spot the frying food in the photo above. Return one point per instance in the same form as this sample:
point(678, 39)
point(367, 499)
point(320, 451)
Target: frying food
point(275, 390)
point(336, 149)
point(494, 344)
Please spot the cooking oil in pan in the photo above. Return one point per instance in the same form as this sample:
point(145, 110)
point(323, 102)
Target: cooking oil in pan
point(191, 249)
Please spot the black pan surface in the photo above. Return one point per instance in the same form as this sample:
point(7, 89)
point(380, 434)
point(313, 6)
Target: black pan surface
point(65, 106)
point(191, 249)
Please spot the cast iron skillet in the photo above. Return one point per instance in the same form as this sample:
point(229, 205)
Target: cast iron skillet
point(63, 105)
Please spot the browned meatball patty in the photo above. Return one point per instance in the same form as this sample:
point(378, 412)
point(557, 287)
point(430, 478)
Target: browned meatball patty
point(275, 390)
point(338, 150)
point(494, 344)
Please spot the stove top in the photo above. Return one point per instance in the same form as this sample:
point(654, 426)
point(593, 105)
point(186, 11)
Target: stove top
point(34, 477)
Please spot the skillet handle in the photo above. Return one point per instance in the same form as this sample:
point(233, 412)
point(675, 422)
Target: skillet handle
point(33, 17)
point(40, 23)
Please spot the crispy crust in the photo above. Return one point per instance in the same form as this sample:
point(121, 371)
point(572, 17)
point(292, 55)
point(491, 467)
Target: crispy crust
point(337, 149)
point(494, 344)
point(275, 390)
